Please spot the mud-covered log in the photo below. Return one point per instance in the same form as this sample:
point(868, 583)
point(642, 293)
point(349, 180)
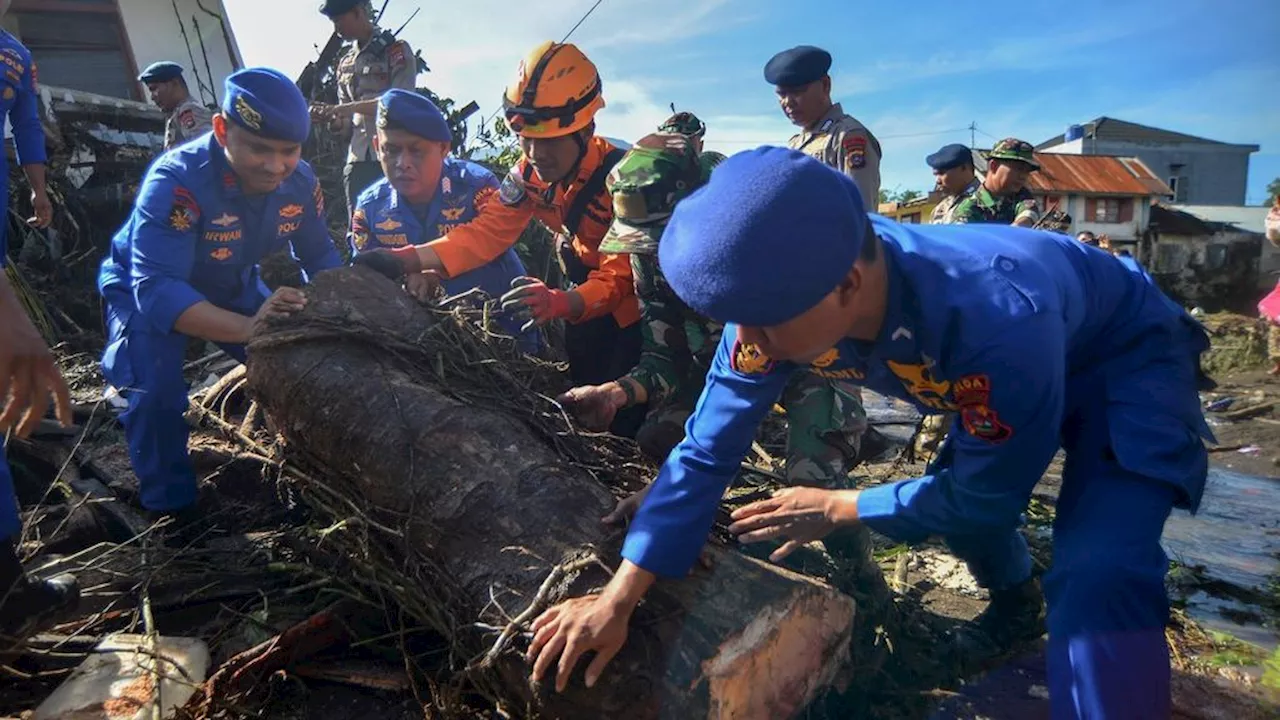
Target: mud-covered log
point(355, 384)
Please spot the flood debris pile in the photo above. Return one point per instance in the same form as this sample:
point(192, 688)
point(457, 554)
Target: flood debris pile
point(465, 493)
point(1239, 342)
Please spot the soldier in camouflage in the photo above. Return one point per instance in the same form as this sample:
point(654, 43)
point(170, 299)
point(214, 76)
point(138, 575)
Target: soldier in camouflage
point(1003, 197)
point(825, 423)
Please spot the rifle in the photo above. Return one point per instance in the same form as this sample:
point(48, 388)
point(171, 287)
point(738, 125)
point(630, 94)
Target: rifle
point(309, 81)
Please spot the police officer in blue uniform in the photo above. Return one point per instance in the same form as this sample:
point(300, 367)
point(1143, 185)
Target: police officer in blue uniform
point(185, 264)
point(1034, 340)
point(423, 195)
point(27, 371)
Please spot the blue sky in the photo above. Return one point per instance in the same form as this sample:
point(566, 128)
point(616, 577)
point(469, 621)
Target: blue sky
point(917, 74)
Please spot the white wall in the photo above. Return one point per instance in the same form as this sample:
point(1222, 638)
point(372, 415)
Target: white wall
point(1075, 147)
point(155, 34)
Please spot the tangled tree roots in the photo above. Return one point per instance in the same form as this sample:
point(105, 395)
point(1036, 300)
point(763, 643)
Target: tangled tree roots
point(465, 492)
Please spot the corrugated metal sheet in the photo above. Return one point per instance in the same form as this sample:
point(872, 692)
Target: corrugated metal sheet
point(1094, 175)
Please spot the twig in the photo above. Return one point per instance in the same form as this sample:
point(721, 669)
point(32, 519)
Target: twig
point(539, 603)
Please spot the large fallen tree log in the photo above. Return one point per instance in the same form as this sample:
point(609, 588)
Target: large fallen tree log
point(491, 519)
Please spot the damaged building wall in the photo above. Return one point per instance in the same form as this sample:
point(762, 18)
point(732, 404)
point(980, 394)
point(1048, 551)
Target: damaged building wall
point(100, 46)
point(1215, 271)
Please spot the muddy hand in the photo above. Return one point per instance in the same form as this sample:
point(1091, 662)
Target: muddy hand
point(595, 405)
point(422, 286)
point(626, 508)
point(28, 373)
point(43, 210)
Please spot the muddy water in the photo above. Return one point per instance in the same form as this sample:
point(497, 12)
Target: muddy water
point(1236, 537)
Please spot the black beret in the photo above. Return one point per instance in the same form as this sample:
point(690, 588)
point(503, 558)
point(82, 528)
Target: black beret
point(161, 72)
point(798, 66)
point(333, 8)
point(950, 156)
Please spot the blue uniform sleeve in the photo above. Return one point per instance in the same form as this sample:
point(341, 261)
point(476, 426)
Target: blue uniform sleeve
point(24, 117)
point(671, 526)
point(1010, 395)
point(312, 247)
point(163, 249)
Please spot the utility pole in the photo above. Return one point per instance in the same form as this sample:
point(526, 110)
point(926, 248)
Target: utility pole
point(973, 139)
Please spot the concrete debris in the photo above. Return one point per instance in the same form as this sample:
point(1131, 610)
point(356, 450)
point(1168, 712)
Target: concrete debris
point(119, 680)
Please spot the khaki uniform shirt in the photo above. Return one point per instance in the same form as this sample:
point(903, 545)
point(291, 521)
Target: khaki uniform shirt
point(942, 213)
point(189, 120)
point(845, 144)
point(365, 73)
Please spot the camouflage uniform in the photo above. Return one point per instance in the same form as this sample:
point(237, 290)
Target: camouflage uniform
point(841, 142)
point(983, 207)
point(942, 214)
point(189, 120)
point(824, 426)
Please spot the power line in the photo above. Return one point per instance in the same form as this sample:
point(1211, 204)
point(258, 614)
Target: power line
point(563, 40)
point(581, 20)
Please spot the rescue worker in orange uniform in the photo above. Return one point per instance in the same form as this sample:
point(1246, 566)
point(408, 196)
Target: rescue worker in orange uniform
point(560, 180)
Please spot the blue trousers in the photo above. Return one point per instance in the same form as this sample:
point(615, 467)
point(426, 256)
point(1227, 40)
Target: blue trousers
point(1132, 436)
point(145, 365)
point(10, 524)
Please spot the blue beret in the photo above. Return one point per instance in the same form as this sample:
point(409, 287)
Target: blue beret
point(797, 66)
point(765, 239)
point(950, 156)
point(414, 113)
point(334, 8)
point(161, 72)
point(266, 103)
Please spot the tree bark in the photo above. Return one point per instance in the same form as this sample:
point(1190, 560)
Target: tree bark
point(496, 508)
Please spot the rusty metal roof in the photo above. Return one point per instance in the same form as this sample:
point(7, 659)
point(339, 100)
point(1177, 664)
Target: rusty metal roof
point(1094, 175)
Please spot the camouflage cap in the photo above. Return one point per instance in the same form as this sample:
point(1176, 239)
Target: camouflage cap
point(684, 123)
point(1015, 149)
point(656, 173)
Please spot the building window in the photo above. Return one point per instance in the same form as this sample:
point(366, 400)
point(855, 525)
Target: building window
point(912, 218)
point(1215, 256)
point(1178, 184)
point(1107, 210)
point(77, 44)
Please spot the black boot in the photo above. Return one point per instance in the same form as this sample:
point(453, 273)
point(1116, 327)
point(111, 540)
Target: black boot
point(29, 606)
point(1014, 617)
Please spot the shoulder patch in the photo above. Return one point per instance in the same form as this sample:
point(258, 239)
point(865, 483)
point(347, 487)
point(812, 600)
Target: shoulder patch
point(185, 212)
point(749, 359)
point(513, 191)
point(973, 394)
point(397, 54)
point(359, 229)
point(187, 118)
point(855, 150)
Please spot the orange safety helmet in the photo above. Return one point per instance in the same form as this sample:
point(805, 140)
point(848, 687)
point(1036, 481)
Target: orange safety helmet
point(557, 92)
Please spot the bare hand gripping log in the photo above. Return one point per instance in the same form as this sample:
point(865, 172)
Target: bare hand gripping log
point(492, 522)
